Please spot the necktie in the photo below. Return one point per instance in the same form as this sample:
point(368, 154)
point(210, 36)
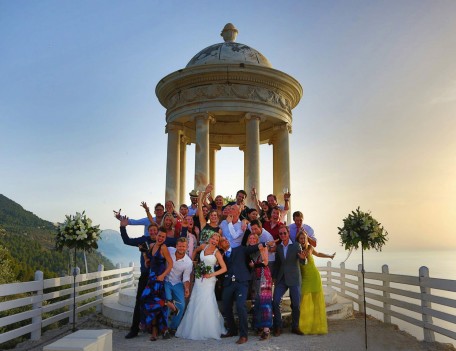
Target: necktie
point(228, 254)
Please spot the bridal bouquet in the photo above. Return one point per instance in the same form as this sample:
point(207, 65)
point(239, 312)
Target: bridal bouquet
point(201, 269)
point(361, 228)
point(77, 232)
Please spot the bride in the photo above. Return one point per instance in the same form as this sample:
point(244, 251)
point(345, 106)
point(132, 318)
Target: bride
point(202, 319)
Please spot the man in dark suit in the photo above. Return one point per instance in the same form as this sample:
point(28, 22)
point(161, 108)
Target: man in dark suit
point(236, 286)
point(287, 276)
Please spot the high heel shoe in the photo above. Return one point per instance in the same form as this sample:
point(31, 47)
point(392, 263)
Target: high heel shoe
point(265, 335)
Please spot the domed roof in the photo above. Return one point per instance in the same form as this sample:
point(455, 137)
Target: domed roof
point(229, 52)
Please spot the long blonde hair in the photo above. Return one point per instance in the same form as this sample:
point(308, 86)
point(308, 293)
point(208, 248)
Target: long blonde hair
point(306, 242)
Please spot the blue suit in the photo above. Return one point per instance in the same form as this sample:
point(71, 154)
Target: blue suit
point(236, 286)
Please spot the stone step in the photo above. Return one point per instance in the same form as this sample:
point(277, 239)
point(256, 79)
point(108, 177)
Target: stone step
point(342, 309)
point(330, 296)
point(127, 297)
point(118, 314)
point(337, 307)
point(119, 307)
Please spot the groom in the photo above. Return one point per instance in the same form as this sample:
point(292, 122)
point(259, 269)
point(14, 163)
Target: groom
point(236, 286)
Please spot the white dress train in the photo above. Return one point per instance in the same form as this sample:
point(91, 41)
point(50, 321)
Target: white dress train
point(202, 319)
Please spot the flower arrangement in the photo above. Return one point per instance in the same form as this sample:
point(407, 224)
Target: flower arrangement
point(78, 232)
point(361, 228)
point(201, 269)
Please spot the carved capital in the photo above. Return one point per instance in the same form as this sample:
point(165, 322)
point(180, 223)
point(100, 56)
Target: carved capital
point(173, 127)
point(282, 126)
point(205, 116)
point(185, 140)
point(250, 116)
point(215, 147)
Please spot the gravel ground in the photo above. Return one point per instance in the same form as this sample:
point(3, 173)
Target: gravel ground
point(343, 335)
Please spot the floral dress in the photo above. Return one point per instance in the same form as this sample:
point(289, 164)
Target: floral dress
point(153, 299)
point(262, 288)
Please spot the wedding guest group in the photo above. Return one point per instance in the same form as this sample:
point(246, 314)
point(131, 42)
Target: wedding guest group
point(251, 251)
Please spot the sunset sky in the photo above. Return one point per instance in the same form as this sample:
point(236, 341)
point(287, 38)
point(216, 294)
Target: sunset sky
point(82, 129)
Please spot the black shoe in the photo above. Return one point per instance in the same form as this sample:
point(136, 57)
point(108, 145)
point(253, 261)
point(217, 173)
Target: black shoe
point(172, 332)
point(166, 335)
point(131, 334)
point(228, 335)
point(296, 331)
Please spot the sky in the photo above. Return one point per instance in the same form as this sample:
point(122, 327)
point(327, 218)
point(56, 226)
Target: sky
point(82, 129)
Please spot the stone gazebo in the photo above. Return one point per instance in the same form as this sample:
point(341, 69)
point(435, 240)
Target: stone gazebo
point(227, 95)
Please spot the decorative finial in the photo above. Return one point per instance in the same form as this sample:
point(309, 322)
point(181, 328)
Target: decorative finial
point(229, 33)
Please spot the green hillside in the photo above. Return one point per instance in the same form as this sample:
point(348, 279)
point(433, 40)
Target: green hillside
point(29, 241)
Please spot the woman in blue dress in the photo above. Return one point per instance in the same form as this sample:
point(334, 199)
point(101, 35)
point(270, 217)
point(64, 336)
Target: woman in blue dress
point(154, 307)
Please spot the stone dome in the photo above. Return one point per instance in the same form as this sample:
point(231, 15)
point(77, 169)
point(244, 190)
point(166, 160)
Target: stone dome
point(229, 52)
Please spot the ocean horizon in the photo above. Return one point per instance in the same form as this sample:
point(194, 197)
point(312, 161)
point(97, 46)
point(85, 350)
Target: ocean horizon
point(441, 263)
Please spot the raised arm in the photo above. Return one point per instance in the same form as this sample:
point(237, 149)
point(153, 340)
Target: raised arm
point(117, 214)
point(149, 215)
point(125, 238)
point(200, 210)
point(322, 255)
point(286, 199)
point(255, 198)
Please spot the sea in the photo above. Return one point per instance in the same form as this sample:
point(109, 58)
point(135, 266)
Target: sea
point(441, 264)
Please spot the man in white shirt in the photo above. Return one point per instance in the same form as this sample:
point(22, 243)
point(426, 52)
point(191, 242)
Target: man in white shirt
point(232, 227)
point(177, 282)
point(298, 225)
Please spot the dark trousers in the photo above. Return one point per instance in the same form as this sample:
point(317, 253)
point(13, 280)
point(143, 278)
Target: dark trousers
point(142, 282)
point(295, 296)
point(236, 291)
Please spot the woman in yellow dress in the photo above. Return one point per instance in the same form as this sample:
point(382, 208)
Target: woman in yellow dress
point(312, 319)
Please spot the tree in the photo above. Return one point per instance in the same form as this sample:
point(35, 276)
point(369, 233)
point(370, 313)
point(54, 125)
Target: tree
point(6, 266)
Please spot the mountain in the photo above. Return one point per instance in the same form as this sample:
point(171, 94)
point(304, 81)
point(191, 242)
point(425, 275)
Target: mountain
point(31, 246)
point(113, 248)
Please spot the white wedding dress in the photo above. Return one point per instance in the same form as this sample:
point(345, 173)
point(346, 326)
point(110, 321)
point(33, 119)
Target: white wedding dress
point(202, 319)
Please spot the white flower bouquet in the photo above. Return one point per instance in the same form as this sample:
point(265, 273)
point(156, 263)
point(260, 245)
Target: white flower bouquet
point(361, 228)
point(78, 232)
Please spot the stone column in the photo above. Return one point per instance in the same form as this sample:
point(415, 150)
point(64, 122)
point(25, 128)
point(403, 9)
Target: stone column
point(275, 167)
point(213, 148)
point(173, 163)
point(281, 160)
point(183, 169)
point(252, 155)
point(202, 150)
